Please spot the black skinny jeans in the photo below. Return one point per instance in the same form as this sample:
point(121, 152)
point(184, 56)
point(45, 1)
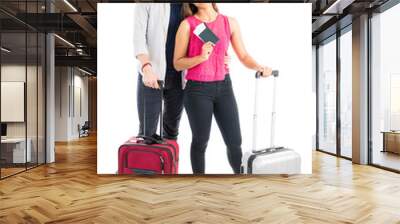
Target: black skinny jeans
point(203, 100)
point(149, 113)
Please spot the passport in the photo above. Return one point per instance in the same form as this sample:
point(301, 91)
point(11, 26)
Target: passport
point(205, 34)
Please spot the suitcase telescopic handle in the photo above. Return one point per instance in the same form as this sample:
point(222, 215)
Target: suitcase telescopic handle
point(149, 139)
point(275, 73)
point(161, 85)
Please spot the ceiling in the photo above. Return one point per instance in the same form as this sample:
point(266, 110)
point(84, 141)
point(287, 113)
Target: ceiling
point(333, 15)
point(76, 22)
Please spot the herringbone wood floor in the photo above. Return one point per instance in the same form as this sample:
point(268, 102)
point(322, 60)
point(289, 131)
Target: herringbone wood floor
point(70, 191)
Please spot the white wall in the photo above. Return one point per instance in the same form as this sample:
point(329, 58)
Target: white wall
point(33, 127)
point(271, 41)
point(17, 73)
point(80, 84)
point(68, 81)
point(61, 103)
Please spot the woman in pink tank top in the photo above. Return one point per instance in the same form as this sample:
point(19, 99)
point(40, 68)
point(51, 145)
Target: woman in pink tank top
point(209, 89)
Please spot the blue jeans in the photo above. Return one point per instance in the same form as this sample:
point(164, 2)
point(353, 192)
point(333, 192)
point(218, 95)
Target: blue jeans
point(203, 100)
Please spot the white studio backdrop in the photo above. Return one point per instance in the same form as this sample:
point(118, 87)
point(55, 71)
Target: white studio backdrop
point(271, 36)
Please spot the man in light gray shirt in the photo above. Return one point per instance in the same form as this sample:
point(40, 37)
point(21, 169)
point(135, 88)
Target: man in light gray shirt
point(155, 29)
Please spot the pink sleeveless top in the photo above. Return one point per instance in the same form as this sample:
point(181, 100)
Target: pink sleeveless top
point(214, 69)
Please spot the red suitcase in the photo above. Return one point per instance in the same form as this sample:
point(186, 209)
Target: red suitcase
point(136, 157)
point(149, 155)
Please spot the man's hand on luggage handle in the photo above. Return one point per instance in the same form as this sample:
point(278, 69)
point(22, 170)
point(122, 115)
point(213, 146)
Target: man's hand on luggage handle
point(149, 78)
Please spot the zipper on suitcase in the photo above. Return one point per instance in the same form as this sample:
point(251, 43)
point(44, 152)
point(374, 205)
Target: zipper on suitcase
point(162, 164)
point(162, 148)
point(146, 151)
point(145, 171)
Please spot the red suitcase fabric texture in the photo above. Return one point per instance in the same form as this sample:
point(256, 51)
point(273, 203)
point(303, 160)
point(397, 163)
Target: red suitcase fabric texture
point(136, 157)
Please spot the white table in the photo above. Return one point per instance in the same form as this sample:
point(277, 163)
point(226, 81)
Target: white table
point(18, 149)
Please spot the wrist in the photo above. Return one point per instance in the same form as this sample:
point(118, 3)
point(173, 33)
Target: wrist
point(202, 58)
point(146, 67)
point(147, 70)
point(258, 67)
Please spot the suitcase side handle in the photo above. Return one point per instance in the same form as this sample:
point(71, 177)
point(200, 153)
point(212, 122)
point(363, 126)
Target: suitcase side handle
point(270, 149)
point(149, 140)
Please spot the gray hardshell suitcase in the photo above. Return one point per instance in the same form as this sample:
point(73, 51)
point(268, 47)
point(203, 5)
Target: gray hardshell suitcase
point(274, 159)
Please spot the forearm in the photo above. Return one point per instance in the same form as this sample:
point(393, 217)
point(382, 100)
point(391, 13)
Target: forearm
point(186, 62)
point(140, 33)
point(249, 62)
